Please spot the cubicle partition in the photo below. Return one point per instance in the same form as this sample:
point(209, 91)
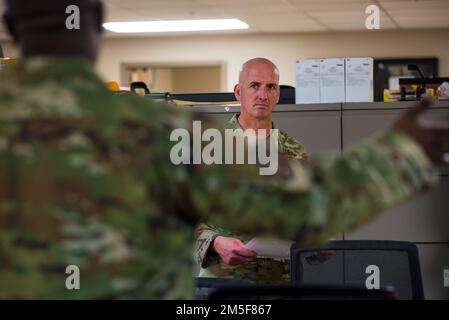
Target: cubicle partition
point(425, 220)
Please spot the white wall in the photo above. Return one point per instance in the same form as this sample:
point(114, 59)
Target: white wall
point(164, 80)
point(283, 49)
point(232, 50)
point(197, 79)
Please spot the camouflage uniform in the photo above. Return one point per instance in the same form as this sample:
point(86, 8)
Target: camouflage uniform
point(86, 180)
point(261, 270)
point(287, 145)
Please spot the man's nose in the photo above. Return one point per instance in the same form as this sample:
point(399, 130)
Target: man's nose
point(263, 93)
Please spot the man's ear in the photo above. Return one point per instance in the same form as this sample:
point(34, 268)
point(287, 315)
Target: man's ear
point(9, 23)
point(279, 95)
point(237, 92)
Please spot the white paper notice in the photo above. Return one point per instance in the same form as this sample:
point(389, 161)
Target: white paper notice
point(332, 80)
point(359, 79)
point(270, 248)
point(307, 81)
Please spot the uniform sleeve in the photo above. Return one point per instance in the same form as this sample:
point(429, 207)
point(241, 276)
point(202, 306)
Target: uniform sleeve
point(204, 235)
point(310, 203)
point(292, 147)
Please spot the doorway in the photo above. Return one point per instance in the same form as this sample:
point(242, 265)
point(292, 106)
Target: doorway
point(176, 78)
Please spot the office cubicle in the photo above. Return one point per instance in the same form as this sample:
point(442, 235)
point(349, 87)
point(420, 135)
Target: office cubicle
point(333, 127)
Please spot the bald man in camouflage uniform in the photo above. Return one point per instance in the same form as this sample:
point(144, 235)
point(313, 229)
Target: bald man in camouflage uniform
point(258, 91)
point(86, 178)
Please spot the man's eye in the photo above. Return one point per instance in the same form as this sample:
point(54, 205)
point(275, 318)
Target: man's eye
point(272, 87)
point(255, 86)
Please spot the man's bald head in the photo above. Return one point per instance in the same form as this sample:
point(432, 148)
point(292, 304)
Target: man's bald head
point(258, 92)
point(254, 63)
point(39, 27)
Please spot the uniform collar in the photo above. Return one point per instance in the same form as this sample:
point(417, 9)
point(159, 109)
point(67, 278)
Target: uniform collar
point(234, 123)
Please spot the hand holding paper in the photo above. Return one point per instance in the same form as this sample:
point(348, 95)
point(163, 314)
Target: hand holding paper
point(270, 248)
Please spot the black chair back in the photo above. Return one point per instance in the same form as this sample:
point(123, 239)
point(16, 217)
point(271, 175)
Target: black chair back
point(367, 263)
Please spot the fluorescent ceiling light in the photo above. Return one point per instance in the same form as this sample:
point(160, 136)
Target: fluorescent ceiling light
point(175, 25)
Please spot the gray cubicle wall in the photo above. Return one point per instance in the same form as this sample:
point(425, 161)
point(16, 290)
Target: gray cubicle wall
point(424, 220)
point(332, 127)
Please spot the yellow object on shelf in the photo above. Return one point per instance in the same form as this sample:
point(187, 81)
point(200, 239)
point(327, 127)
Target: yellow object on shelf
point(6, 61)
point(392, 95)
point(113, 86)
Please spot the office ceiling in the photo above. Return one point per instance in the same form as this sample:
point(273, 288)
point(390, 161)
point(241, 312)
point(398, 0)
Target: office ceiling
point(271, 16)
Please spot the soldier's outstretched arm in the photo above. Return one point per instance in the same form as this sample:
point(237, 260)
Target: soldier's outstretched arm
point(311, 203)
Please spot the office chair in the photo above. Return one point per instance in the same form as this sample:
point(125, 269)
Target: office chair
point(230, 289)
point(136, 86)
point(287, 94)
point(360, 263)
point(205, 287)
point(301, 292)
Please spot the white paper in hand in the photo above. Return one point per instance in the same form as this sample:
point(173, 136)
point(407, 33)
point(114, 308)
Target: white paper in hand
point(270, 248)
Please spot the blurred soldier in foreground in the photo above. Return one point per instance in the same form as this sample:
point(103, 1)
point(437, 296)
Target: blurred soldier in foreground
point(86, 178)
